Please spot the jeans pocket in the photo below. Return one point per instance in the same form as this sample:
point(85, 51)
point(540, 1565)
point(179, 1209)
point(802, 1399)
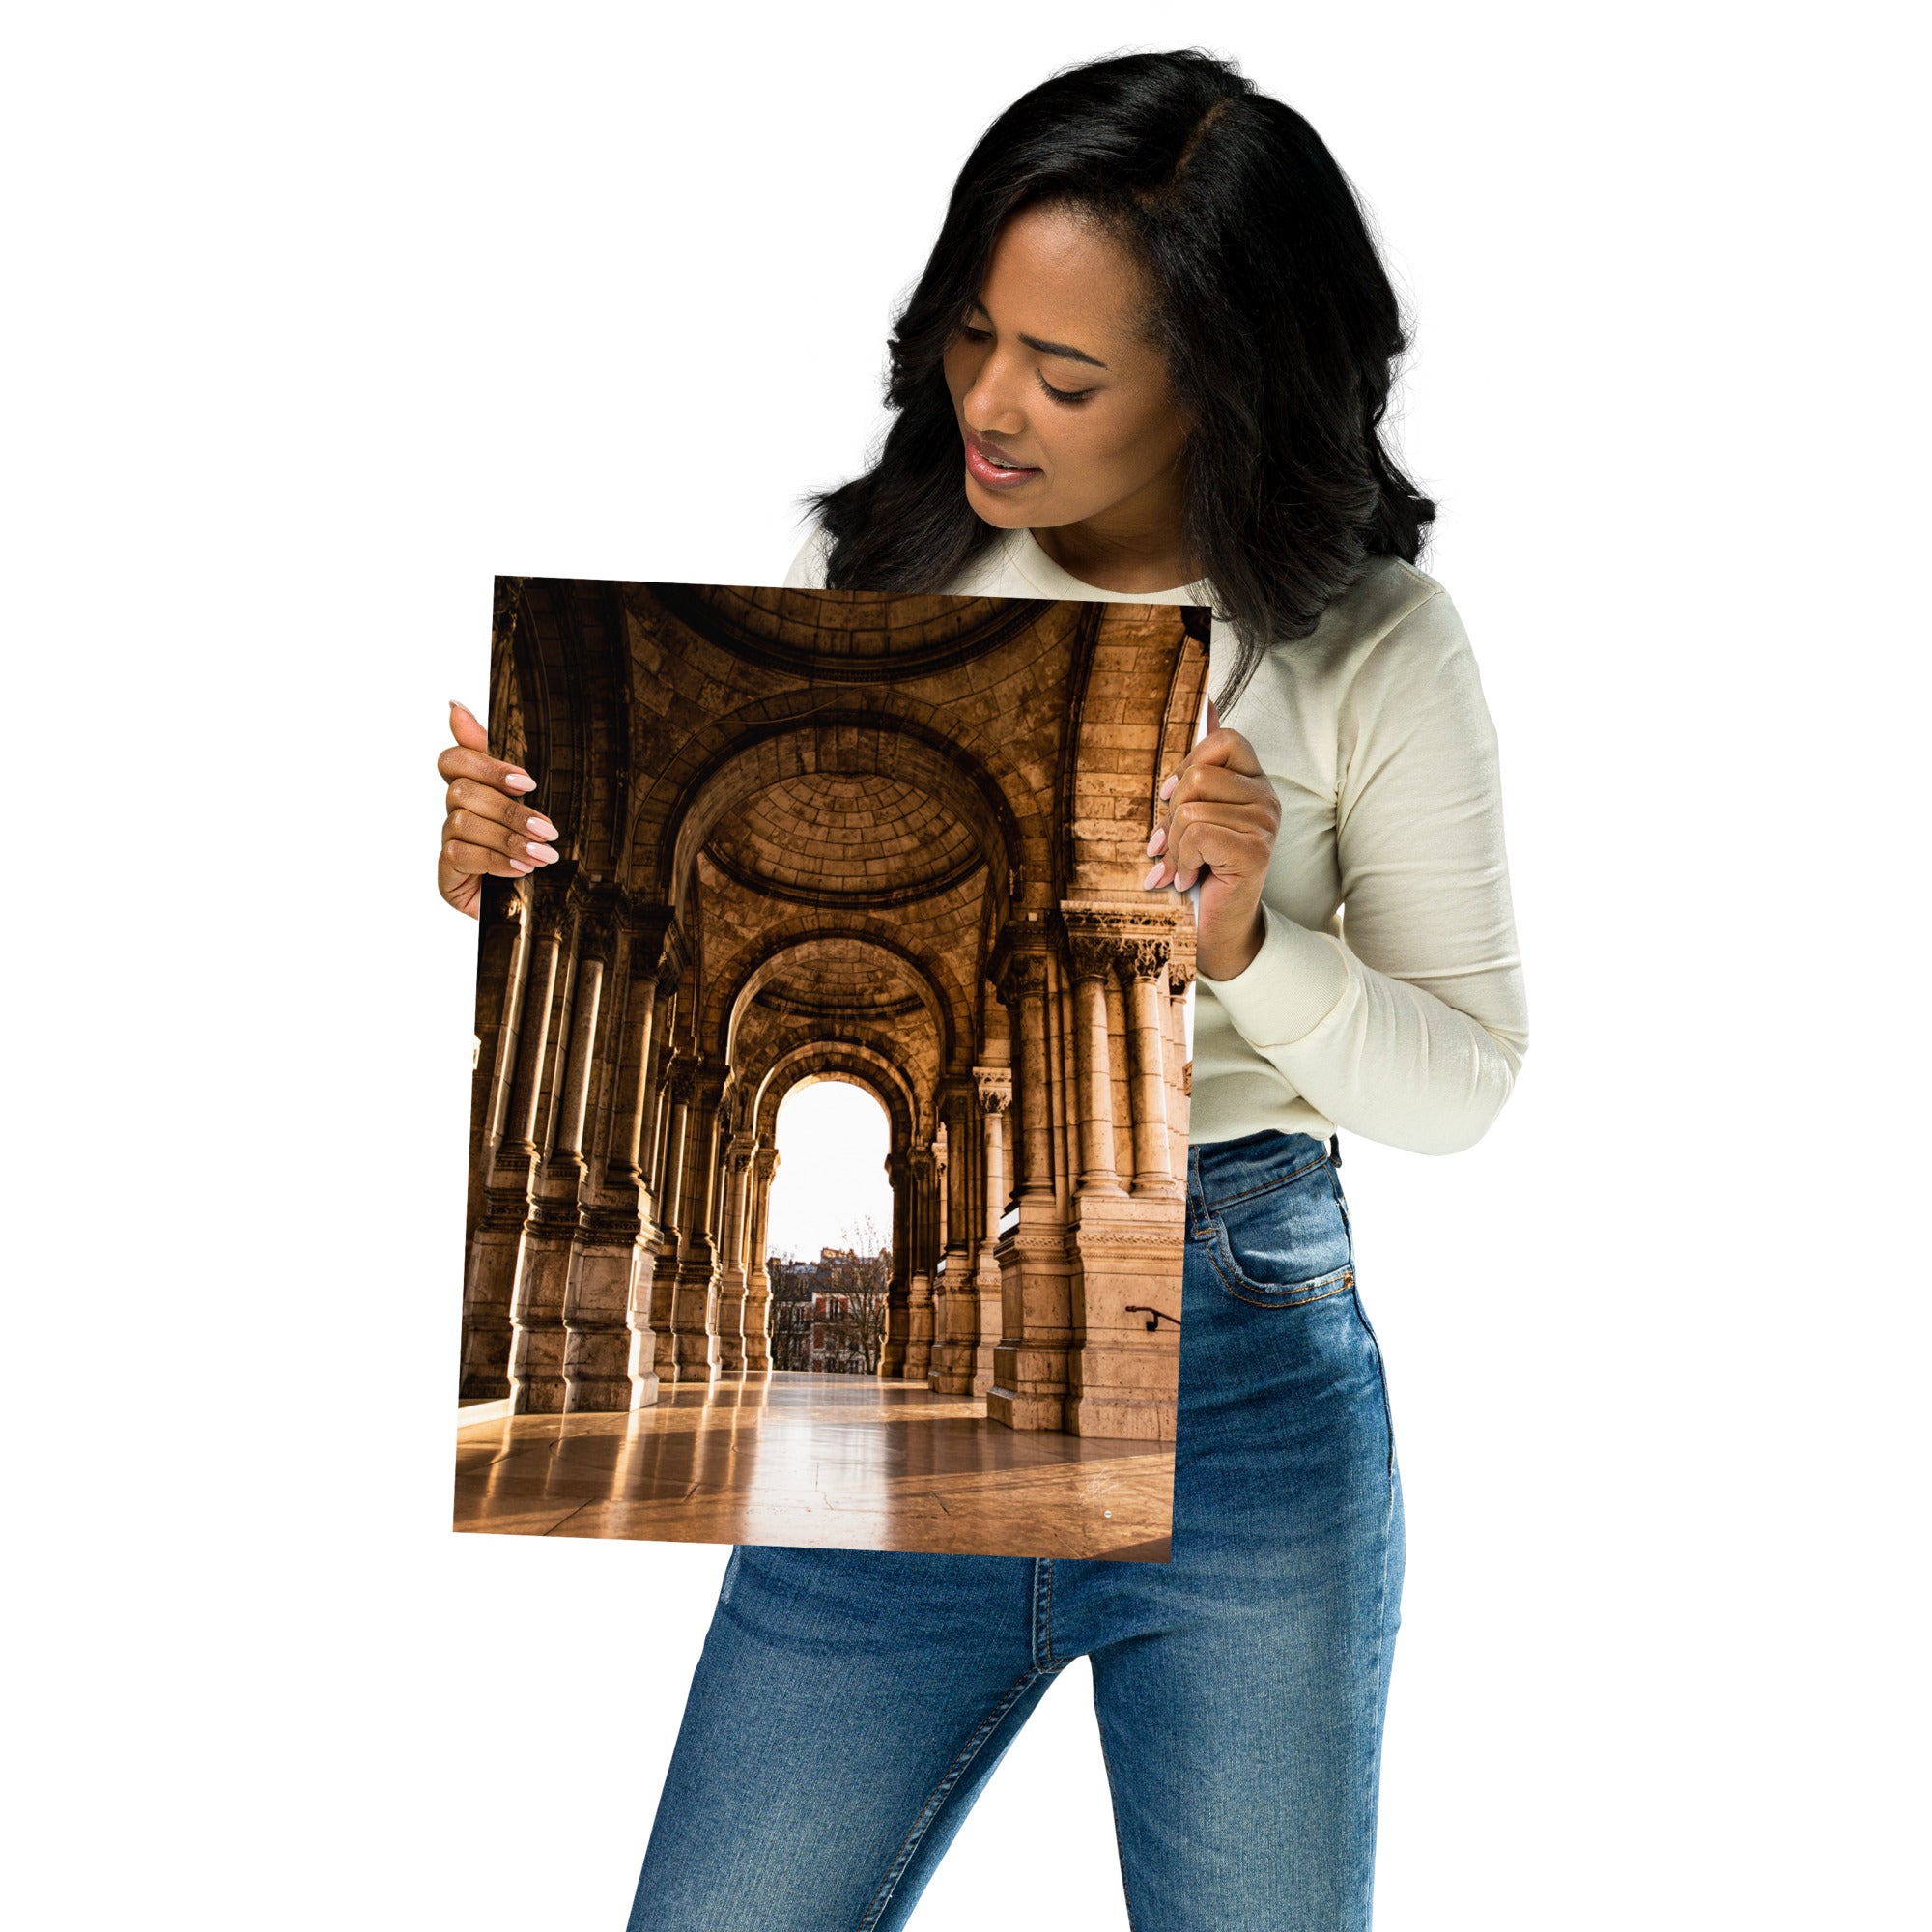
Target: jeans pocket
point(1286, 1242)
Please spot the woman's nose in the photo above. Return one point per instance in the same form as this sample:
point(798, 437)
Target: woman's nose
point(990, 405)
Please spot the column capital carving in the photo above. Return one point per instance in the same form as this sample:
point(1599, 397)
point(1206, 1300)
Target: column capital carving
point(649, 923)
point(1141, 957)
point(1180, 974)
point(597, 924)
point(955, 1092)
point(765, 1161)
point(555, 901)
point(994, 1086)
point(1023, 976)
point(1092, 954)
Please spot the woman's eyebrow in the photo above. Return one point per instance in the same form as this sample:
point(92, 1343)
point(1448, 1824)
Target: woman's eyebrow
point(1061, 349)
point(1065, 349)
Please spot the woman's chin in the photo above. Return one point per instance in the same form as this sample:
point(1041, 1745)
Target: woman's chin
point(997, 507)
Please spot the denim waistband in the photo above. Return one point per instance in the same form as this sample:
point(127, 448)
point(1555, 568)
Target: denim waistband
point(1220, 1171)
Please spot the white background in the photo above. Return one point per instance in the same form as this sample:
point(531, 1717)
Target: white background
point(318, 317)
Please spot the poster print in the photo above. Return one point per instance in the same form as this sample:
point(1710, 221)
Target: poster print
point(816, 837)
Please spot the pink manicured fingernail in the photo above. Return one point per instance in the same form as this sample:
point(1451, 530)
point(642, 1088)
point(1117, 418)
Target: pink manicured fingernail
point(1167, 789)
point(517, 866)
point(1157, 842)
point(543, 828)
point(544, 852)
point(520, 781)
point(1153, 874)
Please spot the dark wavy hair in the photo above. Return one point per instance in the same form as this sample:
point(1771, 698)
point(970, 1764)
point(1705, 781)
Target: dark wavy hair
point(1269, 302)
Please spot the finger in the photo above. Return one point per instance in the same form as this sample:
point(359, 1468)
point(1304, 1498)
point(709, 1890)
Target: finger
point(1213, 717)
point(1232, 796)
point(1222, 747)
point(1219, 781)
point(1234, 848)
point(459, 761)
point(480, 828)
point(469, 795)
point(460, 856)
point(467, 728)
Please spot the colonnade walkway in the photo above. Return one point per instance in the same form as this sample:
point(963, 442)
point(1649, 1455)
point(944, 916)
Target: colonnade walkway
point(827, 1461)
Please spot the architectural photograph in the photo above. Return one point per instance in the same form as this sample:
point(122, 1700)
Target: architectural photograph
point(830, 1105)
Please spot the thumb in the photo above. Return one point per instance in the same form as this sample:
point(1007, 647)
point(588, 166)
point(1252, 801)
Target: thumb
point(467, 728)
point(1213, 717)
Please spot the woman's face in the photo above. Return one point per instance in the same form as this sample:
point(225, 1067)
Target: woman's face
point(1049, 375)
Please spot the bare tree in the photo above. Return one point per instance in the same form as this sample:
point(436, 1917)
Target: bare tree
point(861, 1277)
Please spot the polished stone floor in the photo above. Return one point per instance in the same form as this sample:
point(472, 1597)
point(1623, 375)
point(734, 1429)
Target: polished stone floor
point(833, 1462)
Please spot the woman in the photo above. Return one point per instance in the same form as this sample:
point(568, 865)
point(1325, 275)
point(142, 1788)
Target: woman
point(1149, 359)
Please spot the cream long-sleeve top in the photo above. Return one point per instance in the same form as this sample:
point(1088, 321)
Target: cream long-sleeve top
point(1387, 997)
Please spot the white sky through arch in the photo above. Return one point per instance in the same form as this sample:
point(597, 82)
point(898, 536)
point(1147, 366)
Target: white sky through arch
point(832, 1141)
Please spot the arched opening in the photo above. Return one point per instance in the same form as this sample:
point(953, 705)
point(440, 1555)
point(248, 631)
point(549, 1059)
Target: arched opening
point(828, 1245)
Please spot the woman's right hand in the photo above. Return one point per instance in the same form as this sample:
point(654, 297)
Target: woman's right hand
point(490, 826)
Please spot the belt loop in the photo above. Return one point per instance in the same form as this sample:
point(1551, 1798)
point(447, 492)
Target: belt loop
point(1335, 1150)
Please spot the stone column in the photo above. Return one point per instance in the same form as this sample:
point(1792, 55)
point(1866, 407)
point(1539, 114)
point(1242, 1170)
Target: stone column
point(757, 1283)
point(1180, 977)
point(489, 1267)
point(601, 1126)
point(1092, 955)
point(670, 1213)
point(537, 1341)
point(994, 1092)
point(654, 967)
point(956, 1313)
point(693, 1313)
point(1029, 1388)
point(1127, 1246)
point(922, 1166)
point(738, 1153)
point(1024, 988)
point(898, 1291)
point(1142, 965)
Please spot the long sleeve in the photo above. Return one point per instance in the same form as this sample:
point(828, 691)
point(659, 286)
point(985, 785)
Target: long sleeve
point(1406, 1022)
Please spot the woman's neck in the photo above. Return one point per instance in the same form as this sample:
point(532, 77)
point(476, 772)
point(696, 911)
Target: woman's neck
point(1138, 545)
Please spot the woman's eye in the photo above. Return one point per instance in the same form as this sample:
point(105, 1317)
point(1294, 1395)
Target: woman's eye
point(975, 334)
point(1063, 395)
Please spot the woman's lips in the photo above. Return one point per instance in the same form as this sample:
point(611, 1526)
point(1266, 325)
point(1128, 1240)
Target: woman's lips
point(987, 468)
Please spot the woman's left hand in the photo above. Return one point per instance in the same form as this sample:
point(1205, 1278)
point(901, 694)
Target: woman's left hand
point(1219, 827)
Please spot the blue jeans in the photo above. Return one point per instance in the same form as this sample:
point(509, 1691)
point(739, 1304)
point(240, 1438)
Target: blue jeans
point(849, 1705)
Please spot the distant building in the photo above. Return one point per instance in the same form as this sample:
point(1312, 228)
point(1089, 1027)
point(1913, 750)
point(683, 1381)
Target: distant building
point(829, 1316)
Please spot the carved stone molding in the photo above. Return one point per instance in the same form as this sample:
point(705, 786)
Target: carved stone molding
point(1098, 1234)
point(556, 902)
point(597, 927)
point(1025, 976)
point(1092, 954)
point(994, 1086)
point(1141, 959)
